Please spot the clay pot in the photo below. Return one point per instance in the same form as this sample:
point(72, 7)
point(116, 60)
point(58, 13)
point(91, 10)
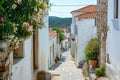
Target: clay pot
point(93, 63)
point(3, 68)
point(73, 39)
point(97, 76)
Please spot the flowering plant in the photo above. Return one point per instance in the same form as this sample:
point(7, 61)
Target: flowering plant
point(19, 18)
point(25, 31)
point(92, 49)
point(6, 28)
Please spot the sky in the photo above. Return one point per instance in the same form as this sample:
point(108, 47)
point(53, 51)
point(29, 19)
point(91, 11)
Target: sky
point(64, 11)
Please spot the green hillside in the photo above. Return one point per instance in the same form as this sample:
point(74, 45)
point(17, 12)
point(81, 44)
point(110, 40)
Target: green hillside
point(59, 22)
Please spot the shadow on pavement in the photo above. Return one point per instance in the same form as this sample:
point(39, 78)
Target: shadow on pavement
point(58, 64)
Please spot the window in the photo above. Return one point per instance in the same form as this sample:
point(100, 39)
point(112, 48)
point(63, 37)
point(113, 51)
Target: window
point(116, 9)
point(35, 49)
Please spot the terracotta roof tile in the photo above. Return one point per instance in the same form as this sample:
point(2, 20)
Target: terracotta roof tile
point(52, 34)
point(62, 29)
point(87, 15)
point(50, 28)
point(89, 8)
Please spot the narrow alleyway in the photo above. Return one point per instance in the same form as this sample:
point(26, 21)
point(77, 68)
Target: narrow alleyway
point(66, 69)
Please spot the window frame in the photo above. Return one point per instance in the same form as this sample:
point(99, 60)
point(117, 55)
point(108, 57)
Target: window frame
point(116, 11)
point(35, 49)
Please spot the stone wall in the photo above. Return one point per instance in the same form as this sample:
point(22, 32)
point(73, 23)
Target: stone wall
point(102, 28)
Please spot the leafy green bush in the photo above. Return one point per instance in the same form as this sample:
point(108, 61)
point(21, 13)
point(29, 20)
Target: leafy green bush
point(92, 50)
point(100, 71)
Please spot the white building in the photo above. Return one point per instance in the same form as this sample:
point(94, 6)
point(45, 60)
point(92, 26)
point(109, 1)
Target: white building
point(113, 40)
point(65, 44)
point(83, 29)
point(54, 47)
point(32, 56)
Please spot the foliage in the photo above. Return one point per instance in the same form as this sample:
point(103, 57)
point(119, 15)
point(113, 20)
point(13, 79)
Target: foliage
point(60, 33)
point(59, 22)
point(6, 28)
point(18, 17)
point(26, 31)
point(92, 49)
point(62, 37)
point(100, 71)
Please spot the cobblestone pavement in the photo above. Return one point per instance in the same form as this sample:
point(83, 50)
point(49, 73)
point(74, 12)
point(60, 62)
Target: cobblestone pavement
point(66, 69)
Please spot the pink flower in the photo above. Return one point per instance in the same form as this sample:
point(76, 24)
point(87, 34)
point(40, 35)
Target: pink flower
point(27, 26)
point(2, 19)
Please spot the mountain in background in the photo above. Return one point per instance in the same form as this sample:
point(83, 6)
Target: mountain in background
point(59, 22)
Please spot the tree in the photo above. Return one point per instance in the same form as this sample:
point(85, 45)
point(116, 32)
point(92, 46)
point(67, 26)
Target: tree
point(60, 33)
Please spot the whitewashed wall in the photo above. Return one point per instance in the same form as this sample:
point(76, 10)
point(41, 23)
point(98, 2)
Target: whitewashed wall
point(53, 41)
point(65, 44)
point(86, 31)
point(73, 48)
point(74, 14)
point(67, 35)
point(73, 23)
point(44, 49)
point(113, 42)
point(22, 70)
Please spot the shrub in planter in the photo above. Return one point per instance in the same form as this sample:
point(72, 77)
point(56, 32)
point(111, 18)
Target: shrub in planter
point(100, 72)
point(92, 51)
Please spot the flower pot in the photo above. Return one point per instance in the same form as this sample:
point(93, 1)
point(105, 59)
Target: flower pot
point(97, 76)
point(3, 68)
point(73, 39)
point(93, 63)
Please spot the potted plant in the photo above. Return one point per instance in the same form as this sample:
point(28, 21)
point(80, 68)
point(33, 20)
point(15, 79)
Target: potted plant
point(3, 68)
point(92, 52)
point(100, 72)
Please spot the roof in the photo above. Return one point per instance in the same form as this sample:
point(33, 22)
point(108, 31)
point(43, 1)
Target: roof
point(87, 15)
point(89, 8)
point(67, 31)
point(50, 29)
point(62, 29)
point(52, 34)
